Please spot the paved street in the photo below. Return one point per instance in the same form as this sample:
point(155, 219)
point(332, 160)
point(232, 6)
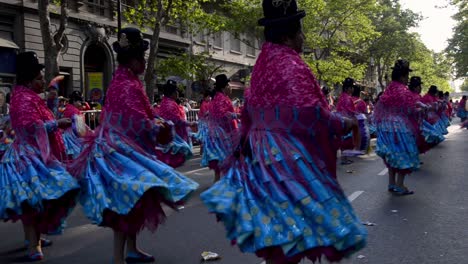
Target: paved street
point(428, 227)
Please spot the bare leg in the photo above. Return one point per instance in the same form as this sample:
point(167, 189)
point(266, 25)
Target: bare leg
point(217, 175)
point(26, 238)
point(391, 177)
point(132, 246)
point(401, 180)
point(33, 236)
point(119, 247)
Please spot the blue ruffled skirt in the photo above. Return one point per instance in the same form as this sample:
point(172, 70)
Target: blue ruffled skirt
point(176, 153)
point(203, 136)
point(123, 188)
point(73, 144)
point(217, 146)
point(396, 145)
point(430, 133)
point(33, 191)
point(461, 113)
point(286, 206)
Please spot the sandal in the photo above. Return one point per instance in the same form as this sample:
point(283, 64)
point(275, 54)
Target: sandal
point(38, 256)
point(402, 191)
point(44, 243)
point(139, 258)
point(391, 188)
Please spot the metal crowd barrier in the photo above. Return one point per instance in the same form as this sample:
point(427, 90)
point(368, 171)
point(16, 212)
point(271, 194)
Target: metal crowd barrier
point(192, 115)
point(92, 118)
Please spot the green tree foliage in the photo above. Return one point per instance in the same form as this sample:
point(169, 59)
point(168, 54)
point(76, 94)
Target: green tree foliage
point(334, 69)
point(458, 44)
point(190, 67)
point(342, 36)
point(337, 32)
point(155, 14)
point(433, 68)
point(464, 86)
point(394, 41)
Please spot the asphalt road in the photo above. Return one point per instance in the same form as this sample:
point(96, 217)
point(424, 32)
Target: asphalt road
point(428, 227)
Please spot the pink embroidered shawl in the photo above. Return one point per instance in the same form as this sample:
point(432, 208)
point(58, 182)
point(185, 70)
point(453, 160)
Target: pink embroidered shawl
point(221, 108)
point(281, 77)
point(29, 115)
point(204, 108)
point(360, 105)
point(171, 111)
point(398, 101)
point(70, 111)
point(345, 105)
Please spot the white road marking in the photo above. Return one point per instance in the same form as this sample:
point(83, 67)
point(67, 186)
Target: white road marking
point(193, 171)
point(194, 159)
point(355, 195)
point(383, 172)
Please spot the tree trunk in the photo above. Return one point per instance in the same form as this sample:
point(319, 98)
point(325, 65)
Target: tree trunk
point(52, 44)
point(380, 72)
point(150, 76)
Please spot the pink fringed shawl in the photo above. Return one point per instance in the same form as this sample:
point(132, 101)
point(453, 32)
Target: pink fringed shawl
point(171, 111)
point(281, 78)
point(345, 105)
point(221, 108)
point(70, 111)
point(127, 114)
point(29, 115)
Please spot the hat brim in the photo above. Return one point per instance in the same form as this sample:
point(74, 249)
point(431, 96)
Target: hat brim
point(410, 70)
point(276, 21)
point(145, 45)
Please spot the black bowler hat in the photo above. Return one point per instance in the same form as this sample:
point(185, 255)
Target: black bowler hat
point(170, 88)
point(76, 97)
point(130, 39)
point(27, 66)
point(415, 81)
point(402, 65)
point(349, 82)
point(278, 12)
point(171, 82)
point(221, 80)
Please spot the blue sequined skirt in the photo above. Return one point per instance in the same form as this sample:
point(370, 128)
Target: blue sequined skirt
point(129, 186)
point(431, 134)
point(73, 144)
point(396, 145)
point(300, 213)
point(33, 191)
point(176, 153)
point(217, 145)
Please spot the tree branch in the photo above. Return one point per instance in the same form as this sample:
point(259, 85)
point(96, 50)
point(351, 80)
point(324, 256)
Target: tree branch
point(167, 12)
point(63, 24)
point(44, 20)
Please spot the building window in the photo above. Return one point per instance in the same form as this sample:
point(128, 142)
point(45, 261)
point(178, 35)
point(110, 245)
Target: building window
point(97, 7)
point(171, 29)
point(235, 43)
point(218, 39)
point(251, 45)
point(200, 37)
point(7, 27)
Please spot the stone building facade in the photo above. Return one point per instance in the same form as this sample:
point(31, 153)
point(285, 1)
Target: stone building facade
point(87, 60)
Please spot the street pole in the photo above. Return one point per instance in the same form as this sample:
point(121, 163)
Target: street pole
point(119, 15)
